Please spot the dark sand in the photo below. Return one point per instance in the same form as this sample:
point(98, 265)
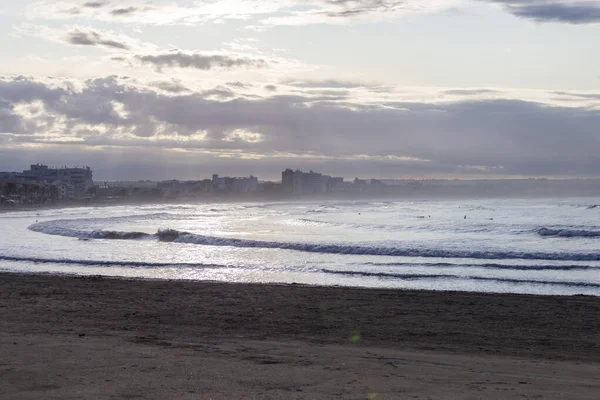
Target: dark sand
point(94, 338)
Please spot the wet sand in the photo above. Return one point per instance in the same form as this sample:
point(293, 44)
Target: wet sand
point(97, 338)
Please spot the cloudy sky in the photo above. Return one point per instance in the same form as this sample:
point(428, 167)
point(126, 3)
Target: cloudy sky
point(158, 89)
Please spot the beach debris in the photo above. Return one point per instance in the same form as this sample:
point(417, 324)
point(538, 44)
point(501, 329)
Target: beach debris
point(354, 337)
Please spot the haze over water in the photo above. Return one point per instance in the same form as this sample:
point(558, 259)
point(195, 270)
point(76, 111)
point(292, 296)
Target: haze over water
point(521, 246)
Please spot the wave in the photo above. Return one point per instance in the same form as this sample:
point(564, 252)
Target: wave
point(69, 227)
point(172, 235)
point(380, 275)
point(568, 233)
point(384, 275)
point(309, 221)
point(117, 235)
point(344, 249)
point(489, 266)
point(105, 263)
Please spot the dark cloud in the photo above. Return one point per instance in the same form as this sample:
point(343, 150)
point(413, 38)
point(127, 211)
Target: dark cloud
point(519, 137)
point(9, 122)
point(95, 4)
point(124, 11)
point(22, 89)
point(271, 88)
point(564, 11)
point(94, 38)
point(199, 61)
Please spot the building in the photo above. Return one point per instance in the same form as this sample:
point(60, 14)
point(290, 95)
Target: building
point(235, 185)
point(73, 183)
point(298, 182)
point(291, 181)
point(313, 182)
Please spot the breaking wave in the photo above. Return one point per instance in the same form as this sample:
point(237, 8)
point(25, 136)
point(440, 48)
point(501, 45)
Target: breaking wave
point(568, 233)
point(117, 235)
point(492, 266)
point(172, 235)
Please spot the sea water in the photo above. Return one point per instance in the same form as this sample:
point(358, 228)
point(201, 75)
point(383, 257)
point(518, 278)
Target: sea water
point(549, 246)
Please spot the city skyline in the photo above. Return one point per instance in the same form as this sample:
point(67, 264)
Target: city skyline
point(384, 89)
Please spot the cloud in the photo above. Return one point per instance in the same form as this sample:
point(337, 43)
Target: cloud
point(172, 86)
point(275, 12)
point(85, 36)
point(515, 136)
point(92, 37)
point(9, 121)
point(328, 83)
point(469, 92)
point(301, 12)
point(590, 96)
point(95, 4)
point(124, 11)
point(357, 11)
point(564, 11)
point(155, 13)
point(199, 61)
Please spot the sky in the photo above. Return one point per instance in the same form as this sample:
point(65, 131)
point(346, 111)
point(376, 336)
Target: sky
point(140, 89)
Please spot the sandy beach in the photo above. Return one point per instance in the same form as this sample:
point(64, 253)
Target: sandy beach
point(97, 338)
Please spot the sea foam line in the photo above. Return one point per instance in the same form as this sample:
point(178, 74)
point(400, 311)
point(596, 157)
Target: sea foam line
point(380, 275)
point(568, 233)
point(411, 277)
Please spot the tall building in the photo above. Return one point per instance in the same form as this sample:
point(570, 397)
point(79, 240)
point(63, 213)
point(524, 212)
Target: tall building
point(298, 182)
point(76, 181)
point(313, 182)
point(292, 181)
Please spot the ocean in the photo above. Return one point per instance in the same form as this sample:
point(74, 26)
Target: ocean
point(541, 246)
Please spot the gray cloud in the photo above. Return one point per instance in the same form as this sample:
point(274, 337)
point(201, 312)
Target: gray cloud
point(170, 86)
point(565, 11)
point(96, 4)
point(199, 61)
point(9, 122)
point(522, 137)
point(94, 38)
point(237, 84)
point(219, 92)
point(354, 8)
point(124, 11)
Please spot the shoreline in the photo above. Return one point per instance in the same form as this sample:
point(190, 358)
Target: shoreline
point(281, 284)
point(298, 199)
point(99, 337)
